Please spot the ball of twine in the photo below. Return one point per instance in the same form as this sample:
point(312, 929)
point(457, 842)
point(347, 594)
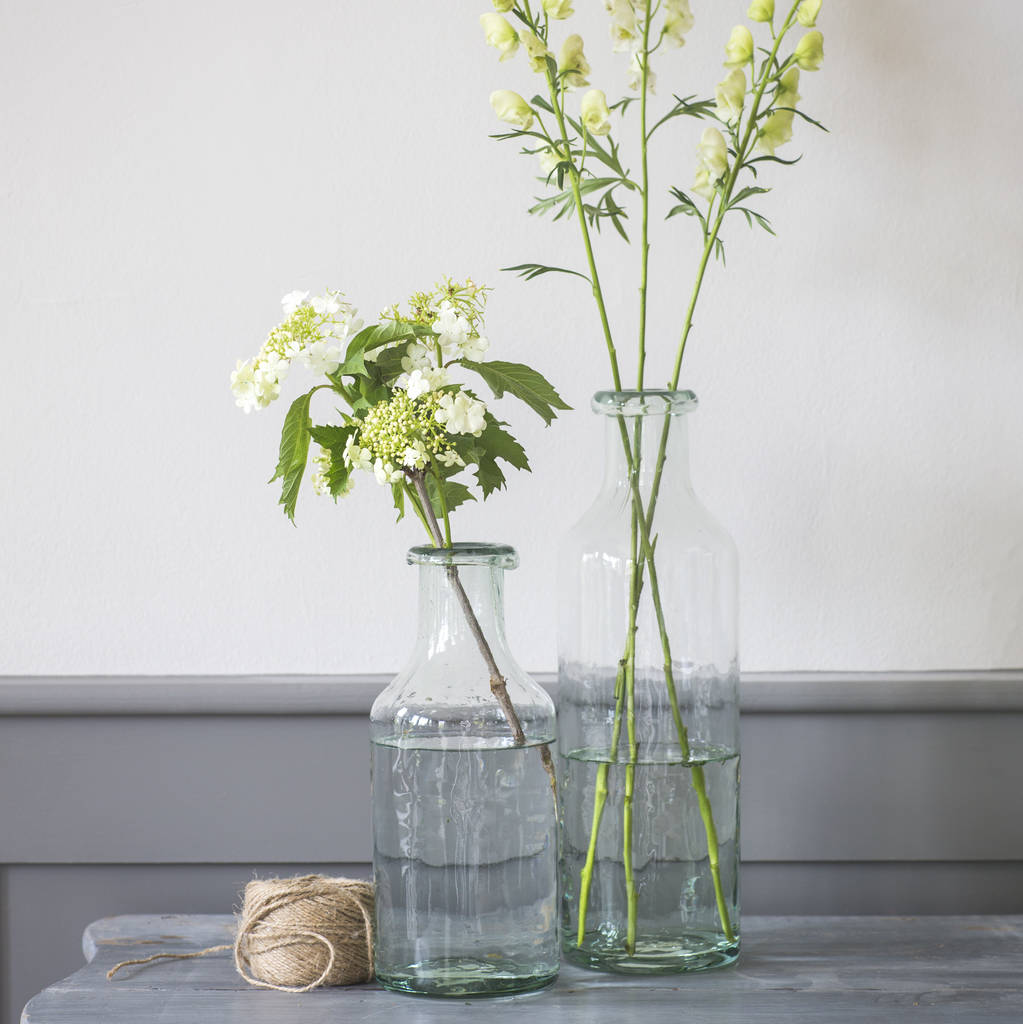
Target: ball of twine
point(296, 934)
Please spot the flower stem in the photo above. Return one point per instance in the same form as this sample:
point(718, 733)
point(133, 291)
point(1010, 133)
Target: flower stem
point(498, 685)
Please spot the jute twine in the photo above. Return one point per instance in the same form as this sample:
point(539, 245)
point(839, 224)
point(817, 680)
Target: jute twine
point(295, 934)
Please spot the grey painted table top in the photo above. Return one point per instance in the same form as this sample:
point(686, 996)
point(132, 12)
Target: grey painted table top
point(814, 969)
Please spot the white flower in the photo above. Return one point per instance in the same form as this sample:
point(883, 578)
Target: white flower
point(500, 34)
point(730, 95)
point(678, 20)
point(386, 473)
point(326, 304)
point(807, 13)
point(461, 414)
point(572, 62)
point(559, 9)
point(292, 301)
point(321, 357)
point(594, 113)
point(474, 348)
point(623, 23)
point(739, 48)
point(421, 382)
point(243, 385)
point(536, 49)
point(416, 456)
point(713, 152)
point(636, 73)
point(452, 327)
point(702, 184)
point(417, 357)
point(512, 108)
point(450, 458)
point(356, 457)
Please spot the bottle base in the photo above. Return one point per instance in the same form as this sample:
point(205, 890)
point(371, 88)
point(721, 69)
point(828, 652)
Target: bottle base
point(679, 954)
point(463, 978)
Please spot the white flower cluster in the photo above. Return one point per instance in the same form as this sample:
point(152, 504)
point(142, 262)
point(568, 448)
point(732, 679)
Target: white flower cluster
point(314, 331)
point(456, 340)
point(627, 33)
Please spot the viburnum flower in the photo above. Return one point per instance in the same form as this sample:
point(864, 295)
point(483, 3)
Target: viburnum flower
point(356, 456)
point(461, 414)
point(594, 113)
point(761, 10)
point(739, 48)
point(421, 382)
point(475, 347)
point(511, 107)
point(572, 62)
point(731, 95)
point(623, 24)
point(559, 9)
point(807, 13)
point(678, 20)
point(452, 328)
point(500, 35)
point(386, 473)
point(713, 152)
point(809, 51)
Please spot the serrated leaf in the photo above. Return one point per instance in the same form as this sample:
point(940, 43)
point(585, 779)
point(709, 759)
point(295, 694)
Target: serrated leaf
point(494, 443)
point(523, 382)
point(294, 453)
point(334, 439)
point(455, 494)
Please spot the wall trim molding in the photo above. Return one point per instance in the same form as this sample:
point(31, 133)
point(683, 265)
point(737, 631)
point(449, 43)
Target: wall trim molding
point(762, 693)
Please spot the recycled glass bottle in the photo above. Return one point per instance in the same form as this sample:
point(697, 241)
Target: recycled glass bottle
point(648, 707)
point(464, 808)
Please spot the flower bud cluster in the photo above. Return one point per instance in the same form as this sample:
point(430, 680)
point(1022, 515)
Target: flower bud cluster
point(314, 331)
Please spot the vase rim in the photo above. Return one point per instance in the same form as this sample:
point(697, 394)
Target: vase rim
point(649, 401)
point(497, 556)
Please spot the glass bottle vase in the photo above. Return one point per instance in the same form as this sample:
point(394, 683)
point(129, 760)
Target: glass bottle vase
point(648, 707)
point(464, 812)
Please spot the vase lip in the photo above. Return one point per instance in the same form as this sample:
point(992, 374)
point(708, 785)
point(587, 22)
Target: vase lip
point(648, 402)
point(497, 556)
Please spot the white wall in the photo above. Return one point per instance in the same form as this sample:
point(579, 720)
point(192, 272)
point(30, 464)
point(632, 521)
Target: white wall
point(170, 169)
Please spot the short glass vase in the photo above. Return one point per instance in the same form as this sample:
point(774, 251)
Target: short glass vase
point(464, 812)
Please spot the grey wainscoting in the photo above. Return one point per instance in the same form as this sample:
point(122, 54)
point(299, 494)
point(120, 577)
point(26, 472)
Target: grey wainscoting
point(862, 793)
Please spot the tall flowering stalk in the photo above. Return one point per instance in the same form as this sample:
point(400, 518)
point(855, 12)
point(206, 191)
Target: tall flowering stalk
point(411, 423)
point(751, 115)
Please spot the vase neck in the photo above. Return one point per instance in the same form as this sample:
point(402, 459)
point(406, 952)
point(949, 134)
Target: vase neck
point(660, 440)
point(445, 584)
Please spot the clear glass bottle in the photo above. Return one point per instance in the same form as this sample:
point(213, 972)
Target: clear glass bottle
point(648, 711)
point(464, 813)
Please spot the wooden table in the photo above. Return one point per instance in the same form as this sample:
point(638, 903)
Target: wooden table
point(814, 969)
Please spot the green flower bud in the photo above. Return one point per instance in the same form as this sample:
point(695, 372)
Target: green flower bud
point(572, 62)
point(500, 35)
point(594, 113)
point(810, 51)
point(739, 49)
point(731, 95)
point(761, 10)
point(511, 107)
point(807, 13)
point(559, 9)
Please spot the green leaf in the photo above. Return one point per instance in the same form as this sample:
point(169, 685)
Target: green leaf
point(455, 494)
point(294, 452)
point(521, 381)
point(750, 190)
point(398, 494)
point(494, 443)
point(334, 439)
point(531, 270)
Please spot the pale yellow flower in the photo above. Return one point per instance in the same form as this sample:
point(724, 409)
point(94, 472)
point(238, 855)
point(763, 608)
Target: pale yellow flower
point(810, 51)
point(788, 89)
point(559, 9)
point(535, 49)
point(777, 130)
point(739, 48)
point(807, 13)
point(713, 152)
point(731, 95)
point(761, 10)
point(500, 35)
point(511, 107)
point(572, 62)
point(594, 113)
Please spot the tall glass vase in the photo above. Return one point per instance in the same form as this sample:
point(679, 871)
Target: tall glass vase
point(464, 808)
point(648, 707)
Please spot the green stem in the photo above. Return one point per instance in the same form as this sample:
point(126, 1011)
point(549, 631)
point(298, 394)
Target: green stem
point(443, 504)
point(645, 198)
